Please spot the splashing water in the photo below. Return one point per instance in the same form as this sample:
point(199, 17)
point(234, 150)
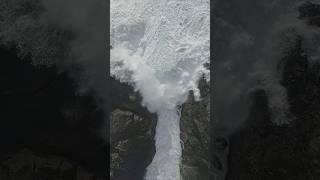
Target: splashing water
point(160, 47)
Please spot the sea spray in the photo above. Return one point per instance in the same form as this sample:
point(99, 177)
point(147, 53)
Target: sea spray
point(160, 47)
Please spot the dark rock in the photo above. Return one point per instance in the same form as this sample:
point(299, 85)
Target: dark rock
point(132, 144)
point(194, 125)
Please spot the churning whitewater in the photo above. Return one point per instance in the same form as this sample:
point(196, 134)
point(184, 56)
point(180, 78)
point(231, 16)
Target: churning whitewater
point(160, 48)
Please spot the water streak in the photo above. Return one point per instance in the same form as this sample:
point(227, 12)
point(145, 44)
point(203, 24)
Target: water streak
point(160, 48)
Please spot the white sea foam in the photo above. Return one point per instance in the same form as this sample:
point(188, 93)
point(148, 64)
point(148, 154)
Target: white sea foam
point(160, 47)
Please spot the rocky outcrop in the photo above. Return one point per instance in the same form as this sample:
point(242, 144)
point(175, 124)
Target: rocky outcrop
point(132, 144)
point(132, 131)
point(194, 125)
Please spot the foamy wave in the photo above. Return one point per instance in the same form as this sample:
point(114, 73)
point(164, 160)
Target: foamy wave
point(160, 48)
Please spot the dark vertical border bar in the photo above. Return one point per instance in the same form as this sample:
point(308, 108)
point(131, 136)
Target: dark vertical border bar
point(211, 175)
point(107, 48)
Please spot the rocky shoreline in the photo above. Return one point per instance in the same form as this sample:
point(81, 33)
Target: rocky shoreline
point(132, 137)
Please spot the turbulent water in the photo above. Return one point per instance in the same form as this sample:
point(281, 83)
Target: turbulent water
point(160, 47)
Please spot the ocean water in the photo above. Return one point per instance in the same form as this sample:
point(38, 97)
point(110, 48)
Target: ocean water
point(160, 47)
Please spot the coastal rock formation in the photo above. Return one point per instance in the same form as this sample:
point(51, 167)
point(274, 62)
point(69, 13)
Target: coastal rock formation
point(131, 144)
point(194, 125)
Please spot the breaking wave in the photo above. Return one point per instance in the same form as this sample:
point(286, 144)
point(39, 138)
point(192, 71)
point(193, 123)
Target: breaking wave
point(160, 48)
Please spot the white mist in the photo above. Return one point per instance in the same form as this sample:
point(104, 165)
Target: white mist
point(160, 47)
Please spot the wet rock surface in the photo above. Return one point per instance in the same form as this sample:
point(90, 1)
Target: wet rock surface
point(132, 144)
point(194, 126)
point(132, 131)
